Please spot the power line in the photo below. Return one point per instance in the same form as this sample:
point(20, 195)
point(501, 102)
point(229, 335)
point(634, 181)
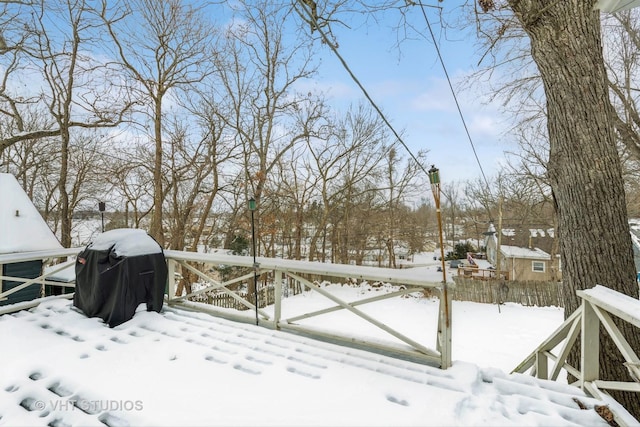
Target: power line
point(453, 93)
point(314, 22)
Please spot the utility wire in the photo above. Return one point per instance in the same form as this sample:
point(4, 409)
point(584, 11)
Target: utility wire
point(314, 22)
point(453, 93)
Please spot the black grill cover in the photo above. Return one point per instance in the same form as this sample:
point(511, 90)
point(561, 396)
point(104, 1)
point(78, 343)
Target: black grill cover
point(118, 271)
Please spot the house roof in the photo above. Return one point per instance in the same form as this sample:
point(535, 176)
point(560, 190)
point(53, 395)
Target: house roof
point(530, 236)
point(22, 228)
point(520, 252)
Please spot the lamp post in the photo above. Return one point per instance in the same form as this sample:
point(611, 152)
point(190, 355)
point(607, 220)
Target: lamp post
point(101, 208)
point(252, 208)
point(434, 179)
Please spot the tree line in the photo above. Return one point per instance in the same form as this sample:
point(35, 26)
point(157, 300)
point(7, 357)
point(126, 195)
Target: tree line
point(175, 121)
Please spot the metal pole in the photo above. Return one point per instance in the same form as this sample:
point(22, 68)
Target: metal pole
point(101, 207)
point(255, 264)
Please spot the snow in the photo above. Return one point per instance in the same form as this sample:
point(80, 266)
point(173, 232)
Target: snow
point(185, 368)
point(519, 252)
point(58, 367)
point(22, 229)
point(624, 306)
point(125, 242)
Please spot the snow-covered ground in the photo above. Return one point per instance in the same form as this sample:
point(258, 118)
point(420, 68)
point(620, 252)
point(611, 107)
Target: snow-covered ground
point(58, 367)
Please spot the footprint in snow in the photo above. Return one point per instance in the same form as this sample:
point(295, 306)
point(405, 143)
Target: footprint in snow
point(246, 370)
point(394, 399)
point(303, 373)
point(35, 376)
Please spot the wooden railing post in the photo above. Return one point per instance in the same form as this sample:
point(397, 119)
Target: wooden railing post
point(277, 309)
point(542, 365)
point(590, 344)
point(171, 279)
point(444, 328)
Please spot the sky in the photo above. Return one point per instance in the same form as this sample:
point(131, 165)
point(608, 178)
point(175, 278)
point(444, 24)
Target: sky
point(185, 368)
point(409, 84)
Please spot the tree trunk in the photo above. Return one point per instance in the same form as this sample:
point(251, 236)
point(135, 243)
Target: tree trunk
point(584, 167)
point(157, 228)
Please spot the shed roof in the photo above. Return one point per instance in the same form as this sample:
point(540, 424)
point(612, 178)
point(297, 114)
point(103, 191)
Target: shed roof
point(22, 228)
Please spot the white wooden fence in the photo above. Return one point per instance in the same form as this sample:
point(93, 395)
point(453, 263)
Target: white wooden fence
point(280, 269)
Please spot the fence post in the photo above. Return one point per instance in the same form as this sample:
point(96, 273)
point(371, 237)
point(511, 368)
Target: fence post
point(444, 328)
point(277, 308)
point(542, 365)
point(171, 279)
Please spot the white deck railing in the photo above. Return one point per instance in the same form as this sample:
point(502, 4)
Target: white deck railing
point(598, 304)
point(44, 256)
point(279, 271)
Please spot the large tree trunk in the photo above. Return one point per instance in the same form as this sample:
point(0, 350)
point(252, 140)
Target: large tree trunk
point(584, 167)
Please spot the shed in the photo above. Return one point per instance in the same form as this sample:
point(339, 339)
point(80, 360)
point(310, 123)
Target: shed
point(22, 229)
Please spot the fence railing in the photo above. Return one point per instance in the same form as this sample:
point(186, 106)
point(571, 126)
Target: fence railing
point(531, 293)
point(308, 276)
point(482, 273)
point(598, 306)
point(39, 281)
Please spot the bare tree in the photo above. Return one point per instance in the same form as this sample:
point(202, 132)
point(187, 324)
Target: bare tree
point(259, 75)
point(401, 182)
point(162, 46)
point(75, 88)
point(622, 37)
point(346, 164)
point(293, 192)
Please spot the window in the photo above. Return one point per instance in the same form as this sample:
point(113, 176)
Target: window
point(538, 266)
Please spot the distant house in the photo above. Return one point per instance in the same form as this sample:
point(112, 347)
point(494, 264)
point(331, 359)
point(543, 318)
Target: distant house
point(22, 229)
point(523, 262)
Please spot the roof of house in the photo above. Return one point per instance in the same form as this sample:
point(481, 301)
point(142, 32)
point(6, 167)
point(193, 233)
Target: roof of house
point(520, 252)
point(524, 237)
point(22, 228)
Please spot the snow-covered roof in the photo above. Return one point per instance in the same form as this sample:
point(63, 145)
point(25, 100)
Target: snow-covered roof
point(508, 232)
point(519, 252)
point(535, 232)
point(126, 242)
point(22, 228)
